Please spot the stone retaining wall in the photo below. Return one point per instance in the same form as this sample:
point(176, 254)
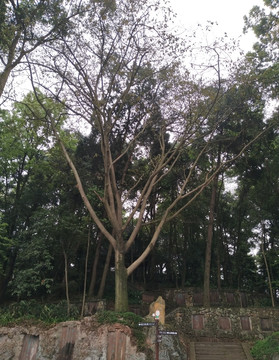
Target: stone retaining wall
point(233, 323)
point(72, 340)
point(194, 297)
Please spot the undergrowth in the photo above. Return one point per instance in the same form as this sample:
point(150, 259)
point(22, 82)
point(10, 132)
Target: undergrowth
point(33, 311)
point(266, 348)
point(127, 318)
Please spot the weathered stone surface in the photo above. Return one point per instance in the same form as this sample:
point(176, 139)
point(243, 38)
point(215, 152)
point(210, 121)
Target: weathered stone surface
point(170, 348)
point(231, 323)
point(73, 340)
point(10, 343)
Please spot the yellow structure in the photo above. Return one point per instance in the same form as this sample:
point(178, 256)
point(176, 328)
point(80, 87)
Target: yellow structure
point(158, 305)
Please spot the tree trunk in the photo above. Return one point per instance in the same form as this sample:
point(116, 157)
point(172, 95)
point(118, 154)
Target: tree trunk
point(267, 268)
point(218, 257)
point(218, 270)
point(94, 268)
point(85, 273)
point(105, 273)
point(207, 265)
point(186, 240)
point(121, 283)
point(3, 79)
point(7, 276)
point(66, 281)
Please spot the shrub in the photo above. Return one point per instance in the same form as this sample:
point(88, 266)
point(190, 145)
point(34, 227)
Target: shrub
point(35, 311)
point(128, 318)
point(266, 348)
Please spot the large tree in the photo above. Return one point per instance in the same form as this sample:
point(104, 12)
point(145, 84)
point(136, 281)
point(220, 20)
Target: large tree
point(119, 74)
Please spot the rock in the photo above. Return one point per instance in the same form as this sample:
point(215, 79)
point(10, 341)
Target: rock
point(170, 349)
point(158, 305)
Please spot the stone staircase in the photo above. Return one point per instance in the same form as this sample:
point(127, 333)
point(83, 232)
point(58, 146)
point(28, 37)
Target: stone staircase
point(219, 351)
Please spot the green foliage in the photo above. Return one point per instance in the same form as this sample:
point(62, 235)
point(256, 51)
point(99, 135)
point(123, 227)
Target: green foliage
point(265, 349)
point(5, 246)
point(264, 22)
point(33, 269)
point(127, 318)
point(140, 338)
point(35, 311)
point(28, 22)
point(32, 176)
point(6, 318)
point(58, 312)
point(134, 296)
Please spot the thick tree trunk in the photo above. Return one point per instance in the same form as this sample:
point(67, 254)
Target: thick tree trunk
point(121, 283)
point(207, 265)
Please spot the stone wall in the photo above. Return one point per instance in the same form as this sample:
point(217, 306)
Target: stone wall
point(230, 323)
point(194, 297)
point(73, 340)
point(83, 340)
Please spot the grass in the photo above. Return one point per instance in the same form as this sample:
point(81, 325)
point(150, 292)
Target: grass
point(266, 348)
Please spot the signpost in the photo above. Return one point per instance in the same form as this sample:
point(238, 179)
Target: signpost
point(158, 339)
point(159, 333)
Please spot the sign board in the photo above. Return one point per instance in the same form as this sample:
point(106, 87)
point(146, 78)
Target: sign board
point(146, 324)
point(167, 332)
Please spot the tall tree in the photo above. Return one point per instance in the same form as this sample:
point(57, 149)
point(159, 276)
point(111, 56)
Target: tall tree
point(264, 57)
point(25, 180)
point(119, 73)
point(239, 111)
point(21, 147)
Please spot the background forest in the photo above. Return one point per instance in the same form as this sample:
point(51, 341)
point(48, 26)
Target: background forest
point(134, 160)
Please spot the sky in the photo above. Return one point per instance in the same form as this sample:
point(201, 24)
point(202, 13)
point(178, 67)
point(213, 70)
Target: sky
point(229, 16)
point(227, 13)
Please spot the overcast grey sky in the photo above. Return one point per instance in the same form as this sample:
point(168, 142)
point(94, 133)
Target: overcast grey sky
point(227, 13)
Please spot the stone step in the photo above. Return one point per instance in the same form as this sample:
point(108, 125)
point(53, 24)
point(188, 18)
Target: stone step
point(218, 351)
